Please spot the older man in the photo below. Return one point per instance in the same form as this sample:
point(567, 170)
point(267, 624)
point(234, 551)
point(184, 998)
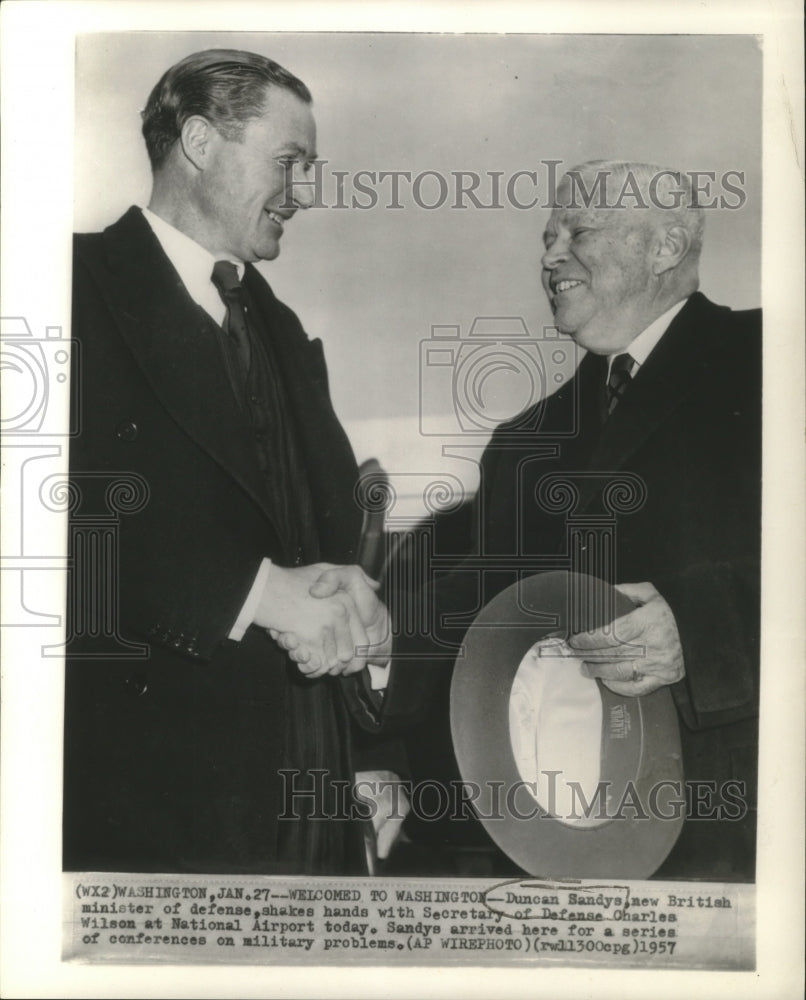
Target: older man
point(199, 385)
point(667, 397)
point(670, 392)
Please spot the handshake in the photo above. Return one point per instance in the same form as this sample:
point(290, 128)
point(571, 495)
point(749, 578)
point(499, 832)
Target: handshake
point(328, 618)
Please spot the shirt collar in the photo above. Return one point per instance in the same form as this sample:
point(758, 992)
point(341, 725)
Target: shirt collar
point(646, 341)
point(193, 264)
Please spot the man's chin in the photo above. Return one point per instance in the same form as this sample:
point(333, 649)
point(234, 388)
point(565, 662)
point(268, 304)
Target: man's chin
point(269, 251)
point(565, 324)
point(593, 341)
point(584, 337)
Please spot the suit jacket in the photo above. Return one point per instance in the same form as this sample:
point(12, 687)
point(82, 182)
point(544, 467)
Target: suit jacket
point(172, 760)
point(676, 469)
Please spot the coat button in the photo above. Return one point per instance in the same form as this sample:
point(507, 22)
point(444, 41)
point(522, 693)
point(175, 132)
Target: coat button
point(127, 430)
point(136, 684)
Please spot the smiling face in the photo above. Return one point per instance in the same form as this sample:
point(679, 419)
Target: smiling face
point(598, 275)
point(250, 187)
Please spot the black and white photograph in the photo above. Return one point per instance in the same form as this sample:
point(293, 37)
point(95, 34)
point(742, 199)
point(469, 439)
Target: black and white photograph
point(403, 532)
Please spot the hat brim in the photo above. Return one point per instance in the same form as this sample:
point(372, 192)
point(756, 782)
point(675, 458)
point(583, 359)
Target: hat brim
point(643, 824)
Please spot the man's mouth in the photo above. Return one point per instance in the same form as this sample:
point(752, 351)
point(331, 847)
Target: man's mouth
point(565, 285)
point(275, 218)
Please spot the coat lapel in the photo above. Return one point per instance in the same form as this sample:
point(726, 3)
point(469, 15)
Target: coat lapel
point(679, 362)
point(328, 460)
point(175, 343)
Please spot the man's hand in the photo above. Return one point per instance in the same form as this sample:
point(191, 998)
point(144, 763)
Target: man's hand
point(640, 652)
point(352, 584)
point(327, 632)
point(362, 589)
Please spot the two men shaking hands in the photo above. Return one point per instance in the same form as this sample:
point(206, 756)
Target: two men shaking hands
point(329, 619)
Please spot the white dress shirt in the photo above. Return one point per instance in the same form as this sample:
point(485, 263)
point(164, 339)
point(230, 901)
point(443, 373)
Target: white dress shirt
point(646, 341)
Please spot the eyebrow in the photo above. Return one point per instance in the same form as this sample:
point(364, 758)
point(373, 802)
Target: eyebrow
point(571, 217)
point(296, 148)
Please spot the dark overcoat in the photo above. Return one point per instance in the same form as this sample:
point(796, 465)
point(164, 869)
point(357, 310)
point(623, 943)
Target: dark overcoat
point(173, 759)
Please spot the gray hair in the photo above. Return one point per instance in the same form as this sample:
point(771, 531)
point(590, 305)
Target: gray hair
point(644, 185)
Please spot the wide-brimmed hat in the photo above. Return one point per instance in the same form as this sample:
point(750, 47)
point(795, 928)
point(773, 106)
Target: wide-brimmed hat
point(569, 779)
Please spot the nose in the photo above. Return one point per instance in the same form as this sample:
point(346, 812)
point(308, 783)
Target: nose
point(554, 255)
point(302, 189)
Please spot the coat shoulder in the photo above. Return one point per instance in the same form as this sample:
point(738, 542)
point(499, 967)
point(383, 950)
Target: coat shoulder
point(87, 247)
point(729, 340)
point(747, 322)
point(735, 322)
point(257, 285)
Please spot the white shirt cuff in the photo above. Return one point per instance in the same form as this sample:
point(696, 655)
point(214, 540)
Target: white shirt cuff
point(378, 676)
point(247, 615)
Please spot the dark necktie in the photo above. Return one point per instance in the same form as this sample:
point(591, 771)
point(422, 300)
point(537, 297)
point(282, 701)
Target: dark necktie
point(619, 379)
point(253, 373)
point(225, 278)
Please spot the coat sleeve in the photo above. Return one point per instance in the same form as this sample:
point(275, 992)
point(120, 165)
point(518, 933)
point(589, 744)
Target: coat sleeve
point(425, 646)
point(716, 608)
point(715, 595)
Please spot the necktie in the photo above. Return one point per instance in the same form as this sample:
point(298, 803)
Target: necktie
point(225, 278)
point(253, 373)
point(618, 380)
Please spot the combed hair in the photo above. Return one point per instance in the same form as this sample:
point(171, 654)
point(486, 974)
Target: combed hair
point(225, 86)
point(665, 188)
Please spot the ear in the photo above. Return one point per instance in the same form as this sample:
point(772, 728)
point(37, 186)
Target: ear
point(674, 244)
point(196, 138)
